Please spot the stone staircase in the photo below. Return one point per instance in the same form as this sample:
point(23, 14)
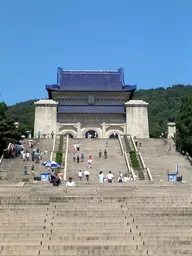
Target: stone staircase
point(115, 161)
point(158, 159)
point(146, 218)
point(12, 169)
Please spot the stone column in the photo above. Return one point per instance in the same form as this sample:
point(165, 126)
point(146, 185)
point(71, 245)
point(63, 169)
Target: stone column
point(103, 130)
point(171, 127)
point(137, 118)
point(79, 135)
point(45, 117)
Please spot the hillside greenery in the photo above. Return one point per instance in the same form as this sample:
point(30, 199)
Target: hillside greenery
point(184, 125)
point(8, 131)
point(164, 104)
point(24, 113)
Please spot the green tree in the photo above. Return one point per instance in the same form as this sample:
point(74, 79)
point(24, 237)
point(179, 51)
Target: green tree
point(8, 131)
point(184, 124)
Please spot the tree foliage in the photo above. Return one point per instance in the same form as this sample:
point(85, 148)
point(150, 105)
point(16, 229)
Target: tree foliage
point(24, 113)
point(184, 124)
point(164, 103)
point(8, 131)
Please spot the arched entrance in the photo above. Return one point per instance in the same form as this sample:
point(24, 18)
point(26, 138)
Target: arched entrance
point(113, 136)
point(70, 135)
point(91, 133)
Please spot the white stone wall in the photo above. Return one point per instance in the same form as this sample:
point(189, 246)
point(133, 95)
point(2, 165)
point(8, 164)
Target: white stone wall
point(45, 117)
point(137, 118)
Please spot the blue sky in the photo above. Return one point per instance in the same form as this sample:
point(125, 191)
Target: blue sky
point(150, 39)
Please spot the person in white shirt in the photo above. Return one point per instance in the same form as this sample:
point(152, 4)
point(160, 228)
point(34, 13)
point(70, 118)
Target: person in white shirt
point(80, 175)
point(110, 177)
point(126, 178)
point(70, 183)
point(120, 178)
point(24, 156)
point(27, 156)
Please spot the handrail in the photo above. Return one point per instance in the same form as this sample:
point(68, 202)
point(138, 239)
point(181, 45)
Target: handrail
point(66, 156)
point(121, 146)
point(133, 142)
point(127, 161)
point(2, 156)
point(142, 161)
point(124, 153)
point(1, 159)
point(53, 148)
point(149, 174)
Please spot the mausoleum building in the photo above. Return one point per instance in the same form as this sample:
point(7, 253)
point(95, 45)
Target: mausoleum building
point(97, 102)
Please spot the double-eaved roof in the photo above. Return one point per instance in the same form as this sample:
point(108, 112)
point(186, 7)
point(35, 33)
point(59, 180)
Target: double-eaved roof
point(90, 80)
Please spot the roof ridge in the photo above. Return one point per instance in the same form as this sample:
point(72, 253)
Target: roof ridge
point(90, 71)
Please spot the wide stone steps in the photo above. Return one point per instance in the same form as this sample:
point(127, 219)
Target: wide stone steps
point(95, 250)
point(159, 159)
point(114, 163)
point(149, 219)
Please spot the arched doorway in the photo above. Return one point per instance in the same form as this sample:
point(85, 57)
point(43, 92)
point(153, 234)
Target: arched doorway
point(113, 136)
point(91, 133)
point(70, 135)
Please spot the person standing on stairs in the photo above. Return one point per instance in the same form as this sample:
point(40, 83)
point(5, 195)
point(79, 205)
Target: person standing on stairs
point(105, 154)
point(110, 177)
point(87, 173)
point(78, 146)
point(82, 157)
point(70, 183)
point(120, 178)
point(74, 157)
point(78, 158)
point(80, 175)
point(101, 177)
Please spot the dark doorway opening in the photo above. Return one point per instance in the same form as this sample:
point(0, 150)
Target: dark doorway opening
point(91, 133)
point(113, 136)
point(70, 135)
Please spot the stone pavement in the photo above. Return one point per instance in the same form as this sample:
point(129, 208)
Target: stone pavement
point(158, 159)
point(115, 161)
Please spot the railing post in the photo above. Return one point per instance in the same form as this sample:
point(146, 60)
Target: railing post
point(66, 156)
point(53, 148)
point(121, 146)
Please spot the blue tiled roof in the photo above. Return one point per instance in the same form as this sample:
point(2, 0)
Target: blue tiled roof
point(91, 80)
point(91, 109)
point(87, 80)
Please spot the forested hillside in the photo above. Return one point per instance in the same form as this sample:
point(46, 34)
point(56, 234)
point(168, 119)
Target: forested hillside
point(24, 113)
point(163, 104)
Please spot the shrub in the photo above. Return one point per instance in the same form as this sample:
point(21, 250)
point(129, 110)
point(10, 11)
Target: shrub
point(59, 153)
point(134, 160)
point(59, 157)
